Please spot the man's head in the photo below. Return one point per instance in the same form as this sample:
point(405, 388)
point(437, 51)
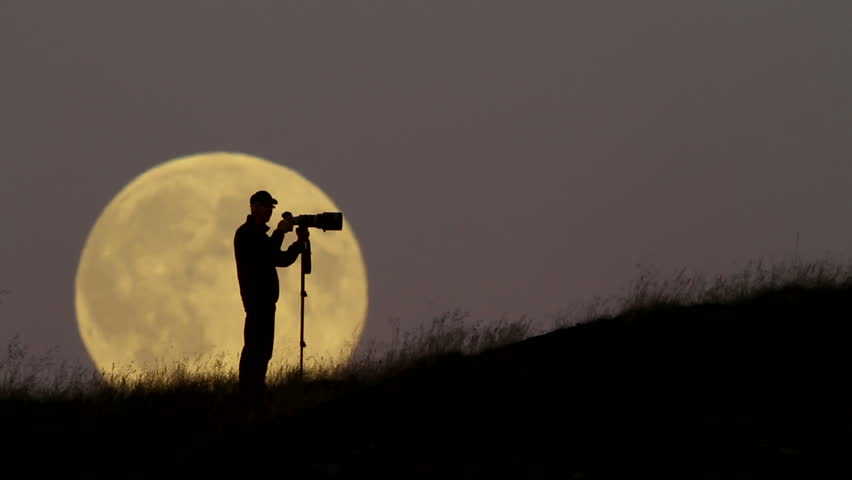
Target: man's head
point(262, 205)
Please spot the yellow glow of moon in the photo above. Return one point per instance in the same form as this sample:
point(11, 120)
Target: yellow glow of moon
point(157, 282)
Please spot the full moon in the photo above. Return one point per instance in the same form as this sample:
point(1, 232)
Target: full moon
point(157, 283)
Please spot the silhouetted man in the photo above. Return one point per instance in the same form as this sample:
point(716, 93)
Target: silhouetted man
point(257, 255)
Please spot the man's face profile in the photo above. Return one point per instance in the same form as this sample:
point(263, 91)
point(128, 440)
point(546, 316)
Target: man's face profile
point(262, 211)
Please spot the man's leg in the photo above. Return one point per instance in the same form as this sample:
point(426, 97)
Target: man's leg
point(258, 335)
point(267, 338)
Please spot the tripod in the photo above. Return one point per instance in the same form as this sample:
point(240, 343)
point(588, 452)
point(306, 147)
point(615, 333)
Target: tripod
point(306, 269)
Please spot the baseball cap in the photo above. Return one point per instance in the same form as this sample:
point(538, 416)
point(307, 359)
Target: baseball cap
point(262, 196)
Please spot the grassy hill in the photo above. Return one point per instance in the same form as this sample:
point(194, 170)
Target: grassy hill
point(754, 385)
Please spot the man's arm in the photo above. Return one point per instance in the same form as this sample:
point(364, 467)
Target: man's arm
point(285, 258)
point(276, 239)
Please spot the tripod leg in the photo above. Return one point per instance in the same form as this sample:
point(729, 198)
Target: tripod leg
point(302, 344)
point(305, 259)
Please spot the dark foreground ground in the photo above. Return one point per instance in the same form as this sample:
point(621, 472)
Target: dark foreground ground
point(758, 389)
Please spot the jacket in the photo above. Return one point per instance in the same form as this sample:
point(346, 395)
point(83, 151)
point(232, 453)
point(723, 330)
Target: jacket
point(257, 255)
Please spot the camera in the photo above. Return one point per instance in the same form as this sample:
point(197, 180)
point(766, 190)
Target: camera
point(324, 221)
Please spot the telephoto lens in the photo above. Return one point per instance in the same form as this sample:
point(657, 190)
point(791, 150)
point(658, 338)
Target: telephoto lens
point(324, 221)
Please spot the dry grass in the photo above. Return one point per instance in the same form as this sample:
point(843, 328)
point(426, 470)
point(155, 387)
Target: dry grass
point(654, 289)
point(24, 376)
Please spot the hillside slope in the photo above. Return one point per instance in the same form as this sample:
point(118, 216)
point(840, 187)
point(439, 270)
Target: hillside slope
point(762, 384)
point(754, 389)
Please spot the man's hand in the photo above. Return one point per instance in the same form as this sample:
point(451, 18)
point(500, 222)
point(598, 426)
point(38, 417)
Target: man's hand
point(302, 233)
point(286, 225)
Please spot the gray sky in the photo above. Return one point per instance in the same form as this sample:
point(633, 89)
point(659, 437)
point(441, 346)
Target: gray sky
point(505, 157)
